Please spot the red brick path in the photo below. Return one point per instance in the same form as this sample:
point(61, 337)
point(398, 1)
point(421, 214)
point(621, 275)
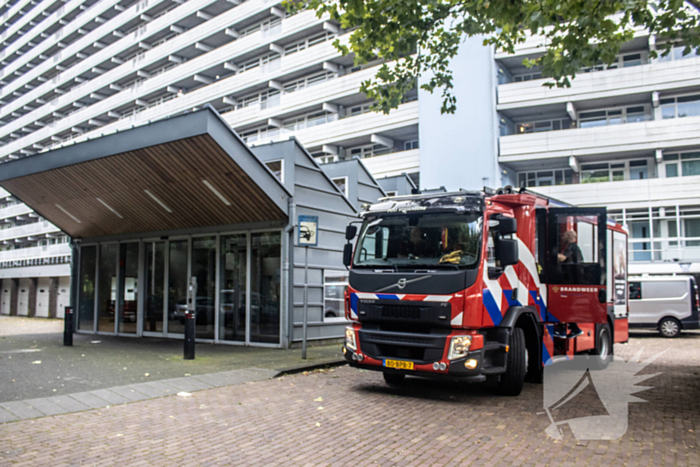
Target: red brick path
point(360, 421)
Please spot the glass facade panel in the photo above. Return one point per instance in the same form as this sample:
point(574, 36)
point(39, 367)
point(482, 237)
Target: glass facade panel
point(177, 286)
point(155, 286)
point(265, 287)
point(107, 287)
point(86, 292)
point(232, 299)
point(204, 269)
point(128, 284)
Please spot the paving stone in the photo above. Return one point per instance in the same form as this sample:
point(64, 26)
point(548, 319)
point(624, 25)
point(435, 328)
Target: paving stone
point(21, 410)
point(68, 403)
point(162, 387)
point(45, 406)
point(150, 391)
point(112, 397)
point(221, 379)
point(187, 384)
point(6, 416)
point(130, 393)
point(89, 399)
point(255, 374)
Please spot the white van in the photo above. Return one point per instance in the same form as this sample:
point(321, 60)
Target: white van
point(666, 303)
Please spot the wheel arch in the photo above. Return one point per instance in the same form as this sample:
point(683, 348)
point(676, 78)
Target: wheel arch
point(527, 318)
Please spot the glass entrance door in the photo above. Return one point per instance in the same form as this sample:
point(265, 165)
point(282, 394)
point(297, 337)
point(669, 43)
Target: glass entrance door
point(177, 286)
point(233, 286)
point(127, 296)
point(154, 261)
point(265, 290)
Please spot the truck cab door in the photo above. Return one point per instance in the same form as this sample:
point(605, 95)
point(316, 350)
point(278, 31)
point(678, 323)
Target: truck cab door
point(576, 269)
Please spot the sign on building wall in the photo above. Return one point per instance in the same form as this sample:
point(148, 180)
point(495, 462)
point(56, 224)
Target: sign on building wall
point(308, 230)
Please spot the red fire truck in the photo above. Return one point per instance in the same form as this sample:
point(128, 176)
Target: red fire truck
point(477, 286)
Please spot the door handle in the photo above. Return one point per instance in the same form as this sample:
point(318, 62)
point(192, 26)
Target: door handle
point(602, 296)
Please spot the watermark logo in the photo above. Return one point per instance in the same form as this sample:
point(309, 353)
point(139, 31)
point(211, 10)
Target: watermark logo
point(592, 398)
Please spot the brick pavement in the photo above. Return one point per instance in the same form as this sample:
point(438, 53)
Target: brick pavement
point(360, 421)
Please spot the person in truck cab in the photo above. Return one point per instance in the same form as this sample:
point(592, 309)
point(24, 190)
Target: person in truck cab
point(417, 246)
point(571, 255)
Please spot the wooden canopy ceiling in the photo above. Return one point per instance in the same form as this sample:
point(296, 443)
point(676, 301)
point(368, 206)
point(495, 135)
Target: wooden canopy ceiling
point(206, 178)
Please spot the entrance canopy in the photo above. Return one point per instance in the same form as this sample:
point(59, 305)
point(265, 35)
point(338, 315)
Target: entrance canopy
point(184, 172)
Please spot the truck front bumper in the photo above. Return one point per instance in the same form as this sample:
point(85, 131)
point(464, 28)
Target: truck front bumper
point(455, 369)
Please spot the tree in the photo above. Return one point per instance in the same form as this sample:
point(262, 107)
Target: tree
point(417, 37)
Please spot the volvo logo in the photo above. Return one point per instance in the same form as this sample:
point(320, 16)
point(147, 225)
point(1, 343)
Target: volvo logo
point(401, 283)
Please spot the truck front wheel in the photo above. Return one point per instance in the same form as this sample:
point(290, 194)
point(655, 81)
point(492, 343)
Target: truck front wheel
point(511, 383)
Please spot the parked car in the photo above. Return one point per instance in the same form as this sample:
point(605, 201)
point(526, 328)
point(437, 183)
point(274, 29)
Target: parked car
point(204, 310)
point(667, 303)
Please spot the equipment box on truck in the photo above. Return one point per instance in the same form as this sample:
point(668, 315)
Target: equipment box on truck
point(482, 285)
point(666, 303)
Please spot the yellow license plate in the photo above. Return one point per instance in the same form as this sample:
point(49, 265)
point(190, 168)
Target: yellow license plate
point(398, 364)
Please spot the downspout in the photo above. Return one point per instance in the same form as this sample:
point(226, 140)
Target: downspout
point(289, 270)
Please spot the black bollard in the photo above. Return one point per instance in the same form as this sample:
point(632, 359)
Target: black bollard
point(68, 326)
point(189, 336)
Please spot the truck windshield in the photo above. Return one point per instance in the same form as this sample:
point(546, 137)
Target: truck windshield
point(413, 241)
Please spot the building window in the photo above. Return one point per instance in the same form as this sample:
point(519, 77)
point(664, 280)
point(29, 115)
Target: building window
point(614, 172)
point(335, 283)
point(612, 116)
point(544, 125)
point(683, 164)
point(527, 77)
point(408, 145)
point(342, 184)
point(369, 150)
point(359, 109)
point(276, 167)
point(323, 158)
point(309, 120)
point(546, 178)
point(621, 61)
point(680, 106)
point(676, 53)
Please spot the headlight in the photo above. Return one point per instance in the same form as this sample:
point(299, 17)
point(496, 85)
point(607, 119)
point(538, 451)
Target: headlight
point(459, 347)
point(350, 342)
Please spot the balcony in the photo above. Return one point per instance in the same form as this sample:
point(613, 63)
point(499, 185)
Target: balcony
point(657, 76)
point(16, 210)
point(221, 88)
point(350, 128)
point(628, 138)
point(628, 193)
point(46, 251)
point(395, 163)
point(35, 229)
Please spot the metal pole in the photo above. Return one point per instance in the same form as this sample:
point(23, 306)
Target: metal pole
point(68, 326)
point(306, 301)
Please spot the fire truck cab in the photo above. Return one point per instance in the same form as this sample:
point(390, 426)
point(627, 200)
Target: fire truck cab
point(489, 285)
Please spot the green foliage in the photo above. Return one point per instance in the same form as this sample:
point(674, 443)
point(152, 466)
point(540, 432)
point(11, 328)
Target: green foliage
point(419, 37)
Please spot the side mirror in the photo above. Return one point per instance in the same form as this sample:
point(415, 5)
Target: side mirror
point(507, 225)
point(347, 254)
point(507, 252)
point(350, 232)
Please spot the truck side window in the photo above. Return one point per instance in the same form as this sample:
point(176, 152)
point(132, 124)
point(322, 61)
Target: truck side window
point(635, 290)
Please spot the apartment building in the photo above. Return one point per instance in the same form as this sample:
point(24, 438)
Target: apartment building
point(78, 69)
point(624, 135)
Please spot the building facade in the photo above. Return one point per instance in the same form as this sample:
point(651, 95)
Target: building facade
point(625, 136)
point(76, 70)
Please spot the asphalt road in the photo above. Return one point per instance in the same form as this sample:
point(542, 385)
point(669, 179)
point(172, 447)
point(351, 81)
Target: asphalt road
point(34, 363)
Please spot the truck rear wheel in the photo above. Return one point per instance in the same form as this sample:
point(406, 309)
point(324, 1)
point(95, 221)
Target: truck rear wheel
point(393, 379)
point(603, 346)
point(511, 383)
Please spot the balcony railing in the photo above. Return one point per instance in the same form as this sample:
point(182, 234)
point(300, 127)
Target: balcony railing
point(37, 228)
point(46, 251)
point(656, 76)
point(662, 191)
point(16, 210)
point(641, 136)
